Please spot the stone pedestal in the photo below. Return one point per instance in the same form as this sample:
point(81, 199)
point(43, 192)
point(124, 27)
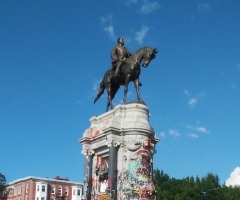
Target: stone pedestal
point(118, 149)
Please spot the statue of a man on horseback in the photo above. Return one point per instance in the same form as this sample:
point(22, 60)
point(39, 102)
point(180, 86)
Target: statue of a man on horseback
point(127, 69)
point(119, 55)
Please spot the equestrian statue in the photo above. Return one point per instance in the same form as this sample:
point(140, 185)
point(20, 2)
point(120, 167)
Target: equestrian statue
point(125, 68)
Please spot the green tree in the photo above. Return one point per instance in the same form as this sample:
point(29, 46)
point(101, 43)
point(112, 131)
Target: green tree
point(230, 193)
point(2, 182)
point(210, 187)
point(190, 188)
point(206, 188)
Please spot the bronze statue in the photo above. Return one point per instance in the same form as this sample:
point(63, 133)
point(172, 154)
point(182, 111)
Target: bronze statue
point(129, 71)
point(119, 55)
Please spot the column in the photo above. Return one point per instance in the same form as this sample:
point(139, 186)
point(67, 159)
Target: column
point(112, 175)
point(88, 174)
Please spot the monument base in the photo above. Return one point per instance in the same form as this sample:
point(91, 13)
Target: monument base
point(118, 149)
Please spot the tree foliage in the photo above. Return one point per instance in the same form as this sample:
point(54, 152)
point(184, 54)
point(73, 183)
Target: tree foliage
point(190, 188)
point(2, 184)
point(2, 181)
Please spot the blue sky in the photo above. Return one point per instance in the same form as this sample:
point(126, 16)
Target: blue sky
point(54, 54)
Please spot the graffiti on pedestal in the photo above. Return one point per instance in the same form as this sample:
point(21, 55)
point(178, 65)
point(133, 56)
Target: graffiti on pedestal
point(135, 181)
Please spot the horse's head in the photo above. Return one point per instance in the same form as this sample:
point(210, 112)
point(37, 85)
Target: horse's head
point(148, 56)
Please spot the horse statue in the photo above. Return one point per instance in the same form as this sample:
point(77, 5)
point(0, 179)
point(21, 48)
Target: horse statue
point(130, 71)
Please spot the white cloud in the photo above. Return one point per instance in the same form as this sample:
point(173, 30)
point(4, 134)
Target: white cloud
point(140, 35)
point(234, 179)
point(202, 129)
point(192, 102)
point(108, 27)
point(110, 31)
point(148, 7)
point(174, 133)
point(204, 7)
point(193, 135)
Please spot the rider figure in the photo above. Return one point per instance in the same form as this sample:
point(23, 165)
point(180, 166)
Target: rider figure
point(119, 55)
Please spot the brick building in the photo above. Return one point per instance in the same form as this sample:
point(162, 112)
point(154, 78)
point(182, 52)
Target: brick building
point(37, 188)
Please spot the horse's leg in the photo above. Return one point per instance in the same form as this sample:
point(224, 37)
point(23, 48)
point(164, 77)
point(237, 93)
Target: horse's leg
point(126, 88)
point(136, 83)
point(107, 106)
point(109, 91)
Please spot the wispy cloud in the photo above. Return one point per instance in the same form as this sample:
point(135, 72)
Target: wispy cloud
point(193, 135)
point(192, 102)
point(108, 27)
point(234, 179)
point(149, 7)
point(174, 133)
point(202, 129)
point(140, 35)
point(204, 7)
point(146, 6)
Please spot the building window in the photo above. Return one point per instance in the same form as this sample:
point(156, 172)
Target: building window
point(78, 192)
point(19, 190)
point(42, 198)
point(43, 188)
point(74, 192)
point(11, 192)
point(52, 199)
point(59, 191)
point(66, 191)
point(53, 190)
point(38, 188)
point(37, 198)
point(27, 188)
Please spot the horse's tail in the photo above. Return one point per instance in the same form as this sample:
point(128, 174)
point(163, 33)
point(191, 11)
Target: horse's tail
point(100, 91)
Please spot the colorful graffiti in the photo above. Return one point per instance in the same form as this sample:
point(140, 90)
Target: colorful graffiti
point(135, 182)
point(103, 197)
